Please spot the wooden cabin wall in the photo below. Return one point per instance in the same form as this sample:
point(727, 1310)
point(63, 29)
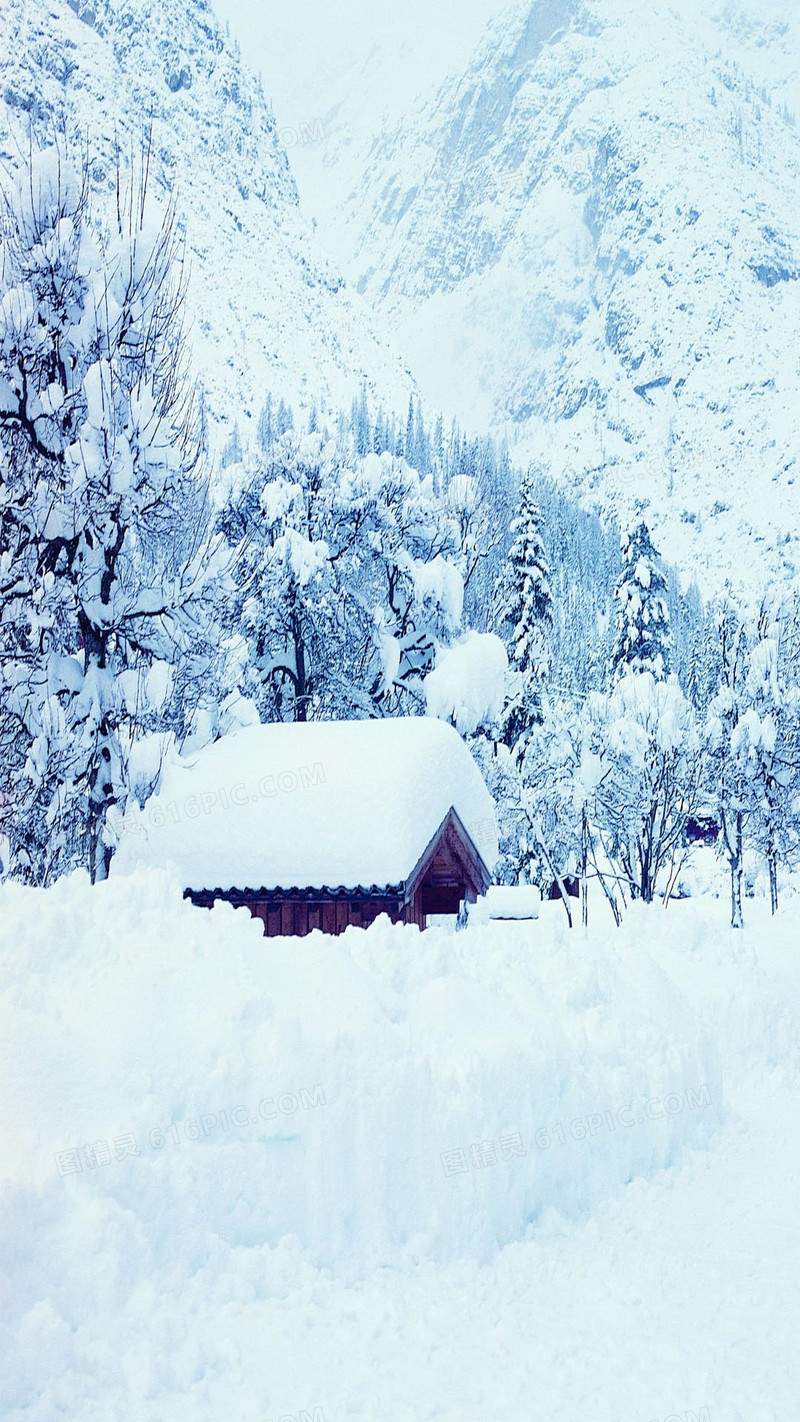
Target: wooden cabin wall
point(297, 917)
point(446, 883)
point(449, 871)
point(413, 911)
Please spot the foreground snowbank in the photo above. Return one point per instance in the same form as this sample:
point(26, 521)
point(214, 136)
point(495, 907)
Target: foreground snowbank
point(381, 1092)
point(227, 1268)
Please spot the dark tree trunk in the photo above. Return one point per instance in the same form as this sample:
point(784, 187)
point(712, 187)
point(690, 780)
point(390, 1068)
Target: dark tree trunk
point(737, 917)
point(101, 790)
point(300, 680)
point(584, 869)
point(772, 861)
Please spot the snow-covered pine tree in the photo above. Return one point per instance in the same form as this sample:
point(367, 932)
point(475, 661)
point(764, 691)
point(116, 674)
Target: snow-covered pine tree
point(410, 445)
point(284, 419)
point(642, 636)
point(523, 619)
point(438, 451)
point(361, 429)
point(265, 430)
point(232, 452)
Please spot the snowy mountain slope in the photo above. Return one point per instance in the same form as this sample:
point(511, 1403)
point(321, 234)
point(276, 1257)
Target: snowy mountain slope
point(268, 310)
point(592, 238)
point(333, 74)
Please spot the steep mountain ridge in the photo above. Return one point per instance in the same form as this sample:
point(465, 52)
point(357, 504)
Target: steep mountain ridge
point(267, 310)
point(591, 239)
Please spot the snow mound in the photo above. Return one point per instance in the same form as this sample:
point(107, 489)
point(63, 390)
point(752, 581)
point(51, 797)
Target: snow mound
point(324, 803)
point(194, 1087)
point(467, 685)
point(506, 901)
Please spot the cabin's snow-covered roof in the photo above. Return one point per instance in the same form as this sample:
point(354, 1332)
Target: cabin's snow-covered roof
point(334, 804)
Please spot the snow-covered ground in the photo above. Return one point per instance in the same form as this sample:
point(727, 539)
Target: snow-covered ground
point(509, 1173)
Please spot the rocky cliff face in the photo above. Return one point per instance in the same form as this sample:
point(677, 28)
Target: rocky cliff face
point(268, 311)
point(592, 238)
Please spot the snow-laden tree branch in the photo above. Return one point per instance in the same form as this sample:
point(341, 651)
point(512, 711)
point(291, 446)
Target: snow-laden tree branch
point(104, 560)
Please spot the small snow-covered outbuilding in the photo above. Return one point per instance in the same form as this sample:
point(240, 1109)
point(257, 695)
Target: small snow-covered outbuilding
point(324, 824)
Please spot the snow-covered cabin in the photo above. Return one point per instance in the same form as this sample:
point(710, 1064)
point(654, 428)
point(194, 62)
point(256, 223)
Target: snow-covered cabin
point(324, 824)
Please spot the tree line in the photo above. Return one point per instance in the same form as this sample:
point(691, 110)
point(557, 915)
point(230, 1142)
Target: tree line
point(601, 787)
point(147, 608)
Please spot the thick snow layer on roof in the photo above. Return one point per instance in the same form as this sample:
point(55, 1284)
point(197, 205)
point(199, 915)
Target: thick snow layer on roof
point(320, 804)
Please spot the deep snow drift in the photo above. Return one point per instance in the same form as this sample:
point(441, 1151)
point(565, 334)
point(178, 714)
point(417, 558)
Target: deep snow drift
point(392, 1175)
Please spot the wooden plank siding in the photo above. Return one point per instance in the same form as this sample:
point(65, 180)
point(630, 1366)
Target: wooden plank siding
point(449, 871)
point(297, 917)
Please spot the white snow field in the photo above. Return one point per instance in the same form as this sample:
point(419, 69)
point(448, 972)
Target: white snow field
point(514, 1172)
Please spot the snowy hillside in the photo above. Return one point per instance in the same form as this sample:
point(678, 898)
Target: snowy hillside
point(588, 237)
point(268, 311)
point(333, 74)
point(513, 1172)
